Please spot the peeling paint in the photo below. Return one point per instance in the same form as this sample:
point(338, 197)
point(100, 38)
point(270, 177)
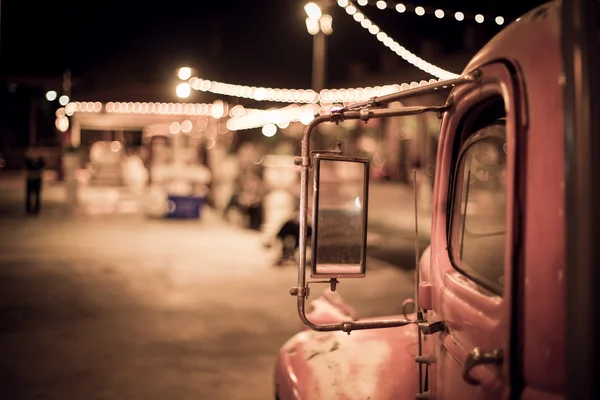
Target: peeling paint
point(347, 369)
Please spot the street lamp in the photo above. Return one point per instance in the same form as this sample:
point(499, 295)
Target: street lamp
point(319, 25)
point(183, 89)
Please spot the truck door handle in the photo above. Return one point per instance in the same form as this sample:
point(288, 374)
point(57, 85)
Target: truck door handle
point(477, 357)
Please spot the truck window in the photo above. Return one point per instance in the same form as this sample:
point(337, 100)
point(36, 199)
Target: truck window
point(478, 216)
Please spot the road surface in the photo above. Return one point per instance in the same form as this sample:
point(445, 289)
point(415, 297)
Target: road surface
point(123, 307)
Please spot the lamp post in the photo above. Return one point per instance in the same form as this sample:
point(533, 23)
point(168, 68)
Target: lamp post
point(319, 25)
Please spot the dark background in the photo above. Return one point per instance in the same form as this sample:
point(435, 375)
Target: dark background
point(130, 50)
point(261, 42)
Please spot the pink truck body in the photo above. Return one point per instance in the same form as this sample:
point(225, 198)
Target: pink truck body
point(516, 320)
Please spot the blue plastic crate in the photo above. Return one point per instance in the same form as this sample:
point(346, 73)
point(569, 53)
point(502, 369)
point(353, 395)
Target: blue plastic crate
point(184, 206)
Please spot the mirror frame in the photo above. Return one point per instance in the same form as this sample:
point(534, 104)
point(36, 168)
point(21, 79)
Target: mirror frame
point(316, 184)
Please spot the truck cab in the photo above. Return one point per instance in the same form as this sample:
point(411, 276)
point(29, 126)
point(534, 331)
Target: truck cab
point(490, 292)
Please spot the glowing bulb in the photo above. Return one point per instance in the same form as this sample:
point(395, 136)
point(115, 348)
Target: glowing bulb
point(381, 5)
point(218, 109)
point(479, 18)
point(459, 16)
point(499, 20)
point(419, 11)
point(51, 95)
point(62, 123)
point(183, 90)
point(184, 73)
point(326, 24)
point(115, 146)
point(269, 130)
point(400, 7)
point(312, 10)
point(283, 124)
point(439, 13)
point(312, 25)
point(174, 128)
point(186, 126)
point(63, 100)
point(306, 117)
point(363, 2)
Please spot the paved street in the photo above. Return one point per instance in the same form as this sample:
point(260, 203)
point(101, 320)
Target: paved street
point(118, 306)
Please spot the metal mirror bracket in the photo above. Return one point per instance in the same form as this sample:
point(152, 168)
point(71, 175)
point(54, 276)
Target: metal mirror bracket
point(353, 112)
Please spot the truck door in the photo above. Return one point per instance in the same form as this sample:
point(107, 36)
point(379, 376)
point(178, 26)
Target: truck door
point(472, 240)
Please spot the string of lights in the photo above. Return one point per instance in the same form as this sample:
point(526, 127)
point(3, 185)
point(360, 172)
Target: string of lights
point(246, 118)
point(255, 93)
point(302, 96)
point(309, 96)
point(437, 12)
point(215, 109)
point(241, 118)
point(394, 46)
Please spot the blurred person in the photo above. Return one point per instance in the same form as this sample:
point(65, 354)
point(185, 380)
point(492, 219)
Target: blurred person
point(34, 167)
point(250, 198)
point(135, 174)
point(289, 237)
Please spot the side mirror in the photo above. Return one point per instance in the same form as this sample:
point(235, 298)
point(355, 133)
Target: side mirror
point(340, 204)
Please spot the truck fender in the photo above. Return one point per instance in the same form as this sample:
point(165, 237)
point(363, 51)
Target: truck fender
point(367, 364)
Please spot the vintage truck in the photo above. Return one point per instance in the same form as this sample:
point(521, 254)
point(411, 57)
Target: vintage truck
point(506, 302)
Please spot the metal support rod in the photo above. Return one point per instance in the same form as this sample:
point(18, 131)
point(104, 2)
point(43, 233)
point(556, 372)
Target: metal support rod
point(418, 91)
point(417, 281)
point(349, 326)
point(319, 59)
point(301, 290)
point(417, 249)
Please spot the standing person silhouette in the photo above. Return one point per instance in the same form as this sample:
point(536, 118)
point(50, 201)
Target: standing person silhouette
point(34, 166)
point(289, 237)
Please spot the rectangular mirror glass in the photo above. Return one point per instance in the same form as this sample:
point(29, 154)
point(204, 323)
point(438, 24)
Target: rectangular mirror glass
point(340, 203)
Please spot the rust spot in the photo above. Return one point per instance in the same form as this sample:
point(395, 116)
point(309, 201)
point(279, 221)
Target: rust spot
point(335, 346)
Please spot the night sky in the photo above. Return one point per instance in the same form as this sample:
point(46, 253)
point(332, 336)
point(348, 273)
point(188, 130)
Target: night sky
point(261, 42)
